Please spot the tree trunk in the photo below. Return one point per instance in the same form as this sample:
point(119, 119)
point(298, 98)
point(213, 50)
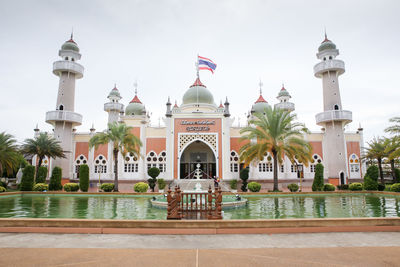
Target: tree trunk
point(276, 188)
point(380, 170)
point(37, 167)
point(392, 167)
point(115, 170)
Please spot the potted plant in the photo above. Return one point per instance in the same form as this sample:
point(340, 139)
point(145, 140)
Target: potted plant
point(161, 185)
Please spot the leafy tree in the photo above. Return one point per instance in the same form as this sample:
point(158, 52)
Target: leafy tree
point(27, 179)
point(370, 183)
point(42, 146)
point(84, 177)
point(244, 176)
point(276, 132)
point(318, 183)
point(9, 156)
point(376, 150)
point(122, 140)
point(373, 172)
point(41, 175)
point(153, 173)
point(55, 179)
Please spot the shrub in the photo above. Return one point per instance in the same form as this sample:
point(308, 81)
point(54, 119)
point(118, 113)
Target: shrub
point(141, 187)
point(3, 183)
point(84, 177)
point(41, 175)
point(343, 187)
point(71, 187)
point(153, 173)
point(395, 187)
point(2, 189)
point(373, 172)
point(381, 187)
point(318, 183)
point(233, 184)
point(329, 187)
point(107, 187)
point(397, 175)
point(254, 187)
point(369, 183)
point(293, 187)
point(161, 184)
point(356, 186)
point(244, 176)
point(387, 187)
point(55, 179)
point(27, 178)
point(40, 187)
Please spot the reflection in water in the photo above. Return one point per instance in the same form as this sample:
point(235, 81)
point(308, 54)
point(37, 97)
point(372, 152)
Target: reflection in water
point(258, 207)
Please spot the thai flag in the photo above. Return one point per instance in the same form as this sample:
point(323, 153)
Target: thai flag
point(206, 64)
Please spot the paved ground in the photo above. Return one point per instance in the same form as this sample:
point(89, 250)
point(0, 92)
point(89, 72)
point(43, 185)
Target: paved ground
point(322, 249)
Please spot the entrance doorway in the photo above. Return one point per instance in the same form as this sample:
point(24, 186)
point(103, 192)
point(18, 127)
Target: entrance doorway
point(342, 180)
point(197, 153)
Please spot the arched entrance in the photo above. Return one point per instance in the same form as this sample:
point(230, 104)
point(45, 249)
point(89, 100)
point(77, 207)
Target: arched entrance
point(195, 153)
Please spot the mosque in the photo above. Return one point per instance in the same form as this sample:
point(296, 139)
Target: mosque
point(198, 132)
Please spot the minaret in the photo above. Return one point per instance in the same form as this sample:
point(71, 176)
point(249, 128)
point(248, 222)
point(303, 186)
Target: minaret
point(334, 118)
point(284, 98)
point(113, 107)
point(64, 118)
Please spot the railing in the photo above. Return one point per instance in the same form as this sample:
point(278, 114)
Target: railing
point(113, 106)
point(285, 105)
point(332, 64)
point(63, 115)
point(70, 66)
point(334, 115)
point(202, 205)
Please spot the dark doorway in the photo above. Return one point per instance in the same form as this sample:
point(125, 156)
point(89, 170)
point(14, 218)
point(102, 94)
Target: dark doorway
point(342, 180)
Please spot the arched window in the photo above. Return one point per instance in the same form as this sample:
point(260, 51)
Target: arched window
point(131, 163)
point(354, 162)
point(151, 160)
point(162, 159)
point(66, 58)
point(100, 164)
point(234, 161)
point(61, 107)
point(81, 159)
point(266, 164)
point(315, 160)
point(336, 107)
point(330, 57)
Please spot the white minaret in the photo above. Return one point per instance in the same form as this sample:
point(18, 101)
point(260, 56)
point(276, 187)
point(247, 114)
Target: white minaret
point(284, 100)
point(64, 118)
point(113, 107)
point(334, 118)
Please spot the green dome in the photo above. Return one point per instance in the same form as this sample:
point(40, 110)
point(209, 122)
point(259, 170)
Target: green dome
point(197, 93)
point(260, 107)
point(135, 107)
point(283, 92)
point(114, 92)
point(70, 45)
point(326, 45)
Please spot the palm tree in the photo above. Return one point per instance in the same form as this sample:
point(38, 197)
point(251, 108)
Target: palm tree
point(394, 129)
point(122, 140)
point(376, 150)
point(393, 148)
point(276, 132)
point(9, 156)
point(42, 146)
point(392, 145)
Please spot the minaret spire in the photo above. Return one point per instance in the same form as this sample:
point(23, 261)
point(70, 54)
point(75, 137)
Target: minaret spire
point(135, 85)
point(197, 67)
point(261, 85)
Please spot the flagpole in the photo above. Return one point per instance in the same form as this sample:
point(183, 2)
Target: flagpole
point(197, 67)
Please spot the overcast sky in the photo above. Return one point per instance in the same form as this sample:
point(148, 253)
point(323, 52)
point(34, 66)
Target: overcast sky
point(156, 43)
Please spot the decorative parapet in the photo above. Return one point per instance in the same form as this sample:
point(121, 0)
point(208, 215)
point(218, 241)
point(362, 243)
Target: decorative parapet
point(334, 115)
point(113, 106)
point(285, 105)
point(68, 66)
point(63, 115)
point(329, 65)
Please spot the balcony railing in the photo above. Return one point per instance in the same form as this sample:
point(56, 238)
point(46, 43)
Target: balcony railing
point(68, 66)
point(63, 115)
point(285, 105)
point(334, 115)
point(329, 65)
point(113, 106)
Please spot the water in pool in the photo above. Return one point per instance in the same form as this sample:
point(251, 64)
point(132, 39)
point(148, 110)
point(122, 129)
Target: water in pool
point(258, 207)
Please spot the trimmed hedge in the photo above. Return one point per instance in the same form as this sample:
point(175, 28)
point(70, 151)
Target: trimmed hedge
point(55, 179)
point(141, 187)
point(41, 175)
point(233, 184)
point(329, 187)
point(107, 187)
point(318, 183)
point(40, 187)
point(293, 187)
point(2, 189)
point(369, 183)
point(71, 187)
point(254, 187)
point(28, 175)
point(381, 187)
point(373, 172)
point(244, 176)
point(153, 173)
point(161, 184)
point(84, 178)
point(343, 187)
point(395, 187)
point(356, 186)
point(397, 175)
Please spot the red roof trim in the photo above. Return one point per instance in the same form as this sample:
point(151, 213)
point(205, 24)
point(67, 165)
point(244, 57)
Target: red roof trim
point(71, 41)
point(135, 100)
point(261, 99)
point(221, 106)
point(197, 83)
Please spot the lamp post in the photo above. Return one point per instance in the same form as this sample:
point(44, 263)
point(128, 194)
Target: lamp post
point(300, 171)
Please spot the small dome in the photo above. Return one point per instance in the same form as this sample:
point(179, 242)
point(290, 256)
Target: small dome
point(70, 45)
point(135, 107)
point(326, 45)
point(283, 92)
point(197, 93)
point(260, 105)
point(114, 92)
